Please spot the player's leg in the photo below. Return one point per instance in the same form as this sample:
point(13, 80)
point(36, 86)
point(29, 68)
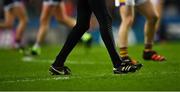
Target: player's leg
point(20, 12)
point(62, 16)
point(158, 5)
point(150, 29)
point(147, 10)
point(127, 17)
point(100, 10)
point(46, 13)
point(44, 22)
point(82, 25)
point(9, 20)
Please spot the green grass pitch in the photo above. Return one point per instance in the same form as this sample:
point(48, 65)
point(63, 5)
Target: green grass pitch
point(91, 70)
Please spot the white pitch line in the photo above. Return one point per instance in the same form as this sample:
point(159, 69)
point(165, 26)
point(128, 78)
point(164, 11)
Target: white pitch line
point(26, 59)
point(49, 79)
point(160, 73)
point(80, 77)
point(32, 80)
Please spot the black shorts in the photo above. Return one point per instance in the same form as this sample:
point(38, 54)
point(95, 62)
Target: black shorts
point(51, 2)
point(8, 4)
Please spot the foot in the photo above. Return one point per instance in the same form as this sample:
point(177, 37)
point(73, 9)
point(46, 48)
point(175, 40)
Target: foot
point(128, 59)
point(153, 55)
point(20, 48)
point(59, 70)
point(87, 39)
point(36, 50)
point(127, 67)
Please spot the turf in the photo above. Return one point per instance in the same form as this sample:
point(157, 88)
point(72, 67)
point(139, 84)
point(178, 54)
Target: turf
point(91, 70)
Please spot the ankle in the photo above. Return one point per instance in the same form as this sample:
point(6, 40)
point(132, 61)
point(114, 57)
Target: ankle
point(123, 52)
point(36, 45)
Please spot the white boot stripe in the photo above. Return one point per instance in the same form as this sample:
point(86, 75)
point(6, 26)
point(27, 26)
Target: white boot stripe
point(58, 71)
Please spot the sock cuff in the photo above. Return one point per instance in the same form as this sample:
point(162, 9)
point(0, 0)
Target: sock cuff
point(148, 46)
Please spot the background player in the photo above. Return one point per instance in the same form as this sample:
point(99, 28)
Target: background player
point(15, 9)
point(158, 6)
point(145, 7)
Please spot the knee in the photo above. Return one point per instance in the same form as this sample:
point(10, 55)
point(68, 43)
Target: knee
point(152, 19)
point(24, 20)
point(128, 21)
point(44, 21)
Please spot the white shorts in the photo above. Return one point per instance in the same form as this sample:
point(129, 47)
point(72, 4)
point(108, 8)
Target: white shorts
point(51, 2)
point(12, 5)
point(134, 2)
point(155, 2)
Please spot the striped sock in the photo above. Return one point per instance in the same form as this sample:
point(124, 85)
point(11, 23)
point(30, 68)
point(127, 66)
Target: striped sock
point(123, 52)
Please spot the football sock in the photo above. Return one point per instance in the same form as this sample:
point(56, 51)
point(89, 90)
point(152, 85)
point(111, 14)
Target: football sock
point(17, 43)
point(148, 47)
point(123, 52)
